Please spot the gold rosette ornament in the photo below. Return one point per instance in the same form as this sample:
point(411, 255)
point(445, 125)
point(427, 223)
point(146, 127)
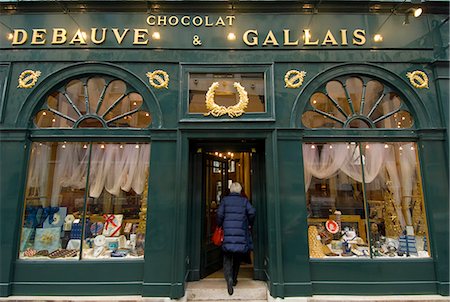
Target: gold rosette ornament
point(418, 79)
point(158, 79)
point(28, 78)
point(232, 111)
point(294, 78)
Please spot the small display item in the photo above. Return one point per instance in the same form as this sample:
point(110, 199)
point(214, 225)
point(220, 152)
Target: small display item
point(56, 217)
point(122, 241)
point(68, 221)
point(100, 240)
point(29, 252)
point(113, 244)
point(332, 226)
point(24, 239)
point(113, 224)
point(127, 228)
point(96, 228)
point(47, 239)
point(75, 232)
point(119, 253)
point(41, 253)
point(407, 245)
point(98, 251)
point(63, 253)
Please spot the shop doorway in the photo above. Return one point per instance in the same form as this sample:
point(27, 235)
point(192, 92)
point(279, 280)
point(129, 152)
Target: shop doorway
point(214, 166)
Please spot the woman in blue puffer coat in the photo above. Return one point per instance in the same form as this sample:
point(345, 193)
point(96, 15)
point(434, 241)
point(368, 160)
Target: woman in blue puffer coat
point(236, 215)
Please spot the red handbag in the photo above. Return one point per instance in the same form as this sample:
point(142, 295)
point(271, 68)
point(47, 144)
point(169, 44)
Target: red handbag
point(217, 237)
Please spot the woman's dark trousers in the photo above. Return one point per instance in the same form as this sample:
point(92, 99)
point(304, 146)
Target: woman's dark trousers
point(231, 263)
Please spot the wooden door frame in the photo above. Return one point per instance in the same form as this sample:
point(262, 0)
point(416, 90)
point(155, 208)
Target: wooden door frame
point(195, 214)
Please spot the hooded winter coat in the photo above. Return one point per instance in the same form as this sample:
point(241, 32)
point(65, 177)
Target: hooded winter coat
point(235, 215)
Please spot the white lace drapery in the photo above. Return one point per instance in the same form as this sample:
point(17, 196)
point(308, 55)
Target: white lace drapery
point(114, 167)
point(379, 160)
point(38, 171)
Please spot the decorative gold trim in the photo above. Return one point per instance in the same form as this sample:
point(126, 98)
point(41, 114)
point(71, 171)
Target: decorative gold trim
point(232, 111)
point(418, 79)
point(28, 78)
point(296, 80)
point(160, 76)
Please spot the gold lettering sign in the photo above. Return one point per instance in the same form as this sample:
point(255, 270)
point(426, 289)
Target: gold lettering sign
point(251, 37)
point(196, 21)
point(286, 37)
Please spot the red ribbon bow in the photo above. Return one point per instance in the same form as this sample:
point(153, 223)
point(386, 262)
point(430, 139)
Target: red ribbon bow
point(109, 219)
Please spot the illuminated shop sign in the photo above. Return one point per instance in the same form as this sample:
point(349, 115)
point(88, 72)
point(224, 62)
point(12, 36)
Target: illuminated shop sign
point(286, 35)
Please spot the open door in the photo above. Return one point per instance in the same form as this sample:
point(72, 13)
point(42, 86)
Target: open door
point(213, 168)
point(214, 185)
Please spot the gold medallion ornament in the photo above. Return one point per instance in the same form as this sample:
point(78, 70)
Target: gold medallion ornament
point(294, 78)
point(158, 79)
point(418, 79)
point(232, 111)
point(28, 78)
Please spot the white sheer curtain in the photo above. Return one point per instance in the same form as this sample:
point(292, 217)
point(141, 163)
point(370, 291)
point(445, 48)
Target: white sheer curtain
point(118, 167)
point(324, 165)
point(398, 161)
point(70, 168)
point(38, 171)
point(373, 160)
point(114, 167)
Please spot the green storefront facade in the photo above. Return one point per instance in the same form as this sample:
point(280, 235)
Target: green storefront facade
point(45, 45)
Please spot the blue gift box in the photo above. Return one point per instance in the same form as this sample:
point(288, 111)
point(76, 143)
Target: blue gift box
point(75, 233)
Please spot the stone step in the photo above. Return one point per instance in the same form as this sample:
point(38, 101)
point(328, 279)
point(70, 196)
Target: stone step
point(216, 290)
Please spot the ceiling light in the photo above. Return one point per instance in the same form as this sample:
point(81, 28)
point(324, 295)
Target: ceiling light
point(231, 37)
point(156, 35)
point(417, 12)
point(378, 38)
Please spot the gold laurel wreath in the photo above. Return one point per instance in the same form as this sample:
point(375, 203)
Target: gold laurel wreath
point(26, 76)
point(298, 75)
point(159, 75)
point(418, 79)
point(232, 111)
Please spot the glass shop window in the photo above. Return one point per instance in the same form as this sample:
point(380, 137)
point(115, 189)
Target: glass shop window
point(364, 200)
point(85, 201)
point(356, 102)
point(226, 94)
point(93, 102)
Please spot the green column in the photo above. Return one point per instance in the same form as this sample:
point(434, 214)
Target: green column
point(435, 186)
point(12, 177)
point(294, 229)
point(161, 254)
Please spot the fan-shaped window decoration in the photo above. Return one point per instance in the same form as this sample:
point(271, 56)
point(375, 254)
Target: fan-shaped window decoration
point(94, 102)
point(356, 102)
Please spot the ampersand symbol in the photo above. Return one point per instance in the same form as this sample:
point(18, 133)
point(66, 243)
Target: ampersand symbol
point(196, 41)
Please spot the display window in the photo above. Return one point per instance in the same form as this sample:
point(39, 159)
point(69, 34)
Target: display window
point(364, 199)
point(85, 201)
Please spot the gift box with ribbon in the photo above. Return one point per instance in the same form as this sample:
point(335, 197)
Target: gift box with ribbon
point(47, 239)
point(112, 225)
point(55, 217)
